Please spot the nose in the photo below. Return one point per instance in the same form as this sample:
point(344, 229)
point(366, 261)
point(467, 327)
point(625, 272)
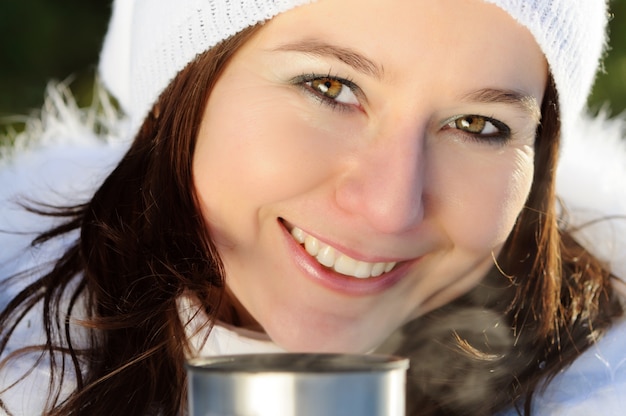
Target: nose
point(384, 181)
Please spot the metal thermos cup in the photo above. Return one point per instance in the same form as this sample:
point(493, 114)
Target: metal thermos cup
point(297, 385)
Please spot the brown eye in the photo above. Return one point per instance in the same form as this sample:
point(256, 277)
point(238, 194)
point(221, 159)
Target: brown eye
point(471, 124)
point(479, 128)
point(329, 87)
point(333, 90)
point(479, 125)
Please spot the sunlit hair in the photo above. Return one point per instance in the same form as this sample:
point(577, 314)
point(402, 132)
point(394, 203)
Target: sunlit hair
point(143, 243)
point(563, 299)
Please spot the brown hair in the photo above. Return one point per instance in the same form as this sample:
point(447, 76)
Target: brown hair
point(143, 243)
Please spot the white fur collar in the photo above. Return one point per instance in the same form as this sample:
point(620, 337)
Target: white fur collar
point(591, 180)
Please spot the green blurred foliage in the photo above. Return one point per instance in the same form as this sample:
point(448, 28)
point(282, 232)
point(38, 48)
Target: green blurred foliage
point(41, 40)
point(611, 83)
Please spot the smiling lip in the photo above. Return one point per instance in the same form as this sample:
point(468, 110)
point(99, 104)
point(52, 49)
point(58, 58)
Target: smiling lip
point(351, 285)
point(340, 262)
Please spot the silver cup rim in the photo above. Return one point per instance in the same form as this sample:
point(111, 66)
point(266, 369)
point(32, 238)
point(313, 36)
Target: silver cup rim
point(297, 363)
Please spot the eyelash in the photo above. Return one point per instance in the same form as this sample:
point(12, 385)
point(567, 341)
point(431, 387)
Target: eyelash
point(303, 80)
point(500, 137)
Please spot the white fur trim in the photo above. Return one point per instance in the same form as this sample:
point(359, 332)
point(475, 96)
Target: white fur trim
point(591, 180)
point(57, 159)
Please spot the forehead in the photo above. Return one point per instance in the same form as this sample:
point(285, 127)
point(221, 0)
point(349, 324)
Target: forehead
point(449, 38)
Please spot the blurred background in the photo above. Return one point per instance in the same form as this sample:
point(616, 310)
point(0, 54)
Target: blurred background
point(43, 40)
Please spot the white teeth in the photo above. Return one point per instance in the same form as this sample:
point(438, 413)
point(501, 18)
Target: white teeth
point(339, 262)
point(378, 269)
point(312, 245)
point(326, 256)
point(363, 269)
point(346, 265)
point(299, 235)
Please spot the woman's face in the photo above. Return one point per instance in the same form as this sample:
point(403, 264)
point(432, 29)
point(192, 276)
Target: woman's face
point(361, 162)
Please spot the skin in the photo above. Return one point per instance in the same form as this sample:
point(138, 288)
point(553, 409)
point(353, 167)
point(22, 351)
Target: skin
point(384, 175)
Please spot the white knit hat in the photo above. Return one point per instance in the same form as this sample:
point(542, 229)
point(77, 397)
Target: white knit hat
point(150, 41)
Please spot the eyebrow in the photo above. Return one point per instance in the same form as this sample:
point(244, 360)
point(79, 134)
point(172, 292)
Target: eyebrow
point(525, 102)
point(361, 63)
point(348, 56)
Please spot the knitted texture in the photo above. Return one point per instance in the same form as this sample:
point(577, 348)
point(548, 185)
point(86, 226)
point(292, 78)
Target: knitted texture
point(572, 36)
point(150, 41)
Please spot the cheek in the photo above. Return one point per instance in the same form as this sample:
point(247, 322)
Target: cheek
point(258, 146)
point(234, 142)
point(238, 152)
point(486, 197)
